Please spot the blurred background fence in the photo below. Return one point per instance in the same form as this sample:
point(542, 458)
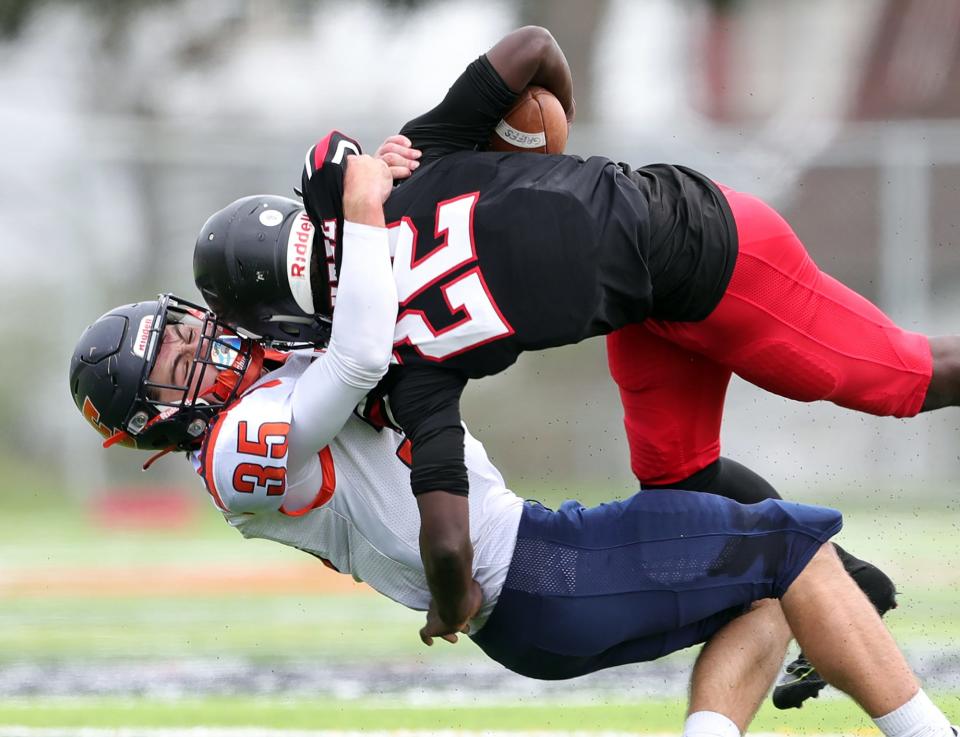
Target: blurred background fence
point(124, 124)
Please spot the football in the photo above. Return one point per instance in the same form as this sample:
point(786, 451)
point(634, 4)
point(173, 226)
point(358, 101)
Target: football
point(536, 123)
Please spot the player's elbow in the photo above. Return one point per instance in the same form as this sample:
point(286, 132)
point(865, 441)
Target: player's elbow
point(363, 362)
point(537, 41)
point(372, 359)
point(536, 35)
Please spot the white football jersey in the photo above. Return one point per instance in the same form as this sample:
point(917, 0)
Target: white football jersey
point(353, 505)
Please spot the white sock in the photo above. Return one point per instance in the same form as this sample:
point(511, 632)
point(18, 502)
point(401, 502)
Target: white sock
point(919, 717)
point(709, 724)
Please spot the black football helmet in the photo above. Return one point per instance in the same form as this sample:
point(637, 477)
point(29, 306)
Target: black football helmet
point(111, 366)
point(260, 267)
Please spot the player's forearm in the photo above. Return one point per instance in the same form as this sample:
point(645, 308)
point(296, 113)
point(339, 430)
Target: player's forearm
point(361, 344)
point(447, 553)
point(530, 55)
point(361, 339)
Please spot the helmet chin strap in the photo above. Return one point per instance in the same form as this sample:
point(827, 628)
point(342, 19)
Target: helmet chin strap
point(118, 437)
point(157, 456)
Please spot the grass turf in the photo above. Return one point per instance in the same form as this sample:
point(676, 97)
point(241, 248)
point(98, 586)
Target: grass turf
point(914, 542)
point(836, 716)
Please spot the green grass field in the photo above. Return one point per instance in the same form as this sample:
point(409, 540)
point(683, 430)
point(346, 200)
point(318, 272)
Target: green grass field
point(834, 716)
point(41, 535)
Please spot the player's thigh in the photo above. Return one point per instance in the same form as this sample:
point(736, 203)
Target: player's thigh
point(522, 656)
point(642, 577)
point(672, 403)
point(787, 327)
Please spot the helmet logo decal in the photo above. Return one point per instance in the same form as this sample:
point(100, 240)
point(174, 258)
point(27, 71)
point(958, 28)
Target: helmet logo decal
point(270, 218)
point(299, 252)
point(139, 346)
point(92, 415)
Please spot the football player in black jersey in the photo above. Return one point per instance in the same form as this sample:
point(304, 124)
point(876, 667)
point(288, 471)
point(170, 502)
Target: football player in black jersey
point(651, 362)
point(500, 253)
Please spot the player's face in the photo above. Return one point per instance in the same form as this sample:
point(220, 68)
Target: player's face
point(177, 350)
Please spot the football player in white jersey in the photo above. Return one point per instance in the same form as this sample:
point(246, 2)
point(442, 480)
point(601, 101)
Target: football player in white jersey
point(286, 456)
point(565, 592)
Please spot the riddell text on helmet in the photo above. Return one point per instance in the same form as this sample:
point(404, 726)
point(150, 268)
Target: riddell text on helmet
point(300, 246)
point(299, 250)
point(139, 348)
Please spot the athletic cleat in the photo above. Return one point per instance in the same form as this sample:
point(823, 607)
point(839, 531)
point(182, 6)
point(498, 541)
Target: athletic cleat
point(799, 682)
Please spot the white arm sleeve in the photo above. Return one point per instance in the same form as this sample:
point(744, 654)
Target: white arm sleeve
point(361, 344)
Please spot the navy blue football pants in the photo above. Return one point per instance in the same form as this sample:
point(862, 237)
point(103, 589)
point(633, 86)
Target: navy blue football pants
point(634, 580)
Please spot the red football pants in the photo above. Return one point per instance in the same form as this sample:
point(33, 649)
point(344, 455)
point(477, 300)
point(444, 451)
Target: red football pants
point(783, 325)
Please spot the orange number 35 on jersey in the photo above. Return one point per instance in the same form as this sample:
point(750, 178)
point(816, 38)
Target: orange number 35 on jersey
point(271, 442)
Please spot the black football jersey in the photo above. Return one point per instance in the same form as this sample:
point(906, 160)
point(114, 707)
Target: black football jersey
point(500, 253)
point(560, 248)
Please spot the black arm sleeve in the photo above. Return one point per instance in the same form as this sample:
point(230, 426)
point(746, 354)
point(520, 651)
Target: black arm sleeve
point(425, 401)
point(466, 117)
